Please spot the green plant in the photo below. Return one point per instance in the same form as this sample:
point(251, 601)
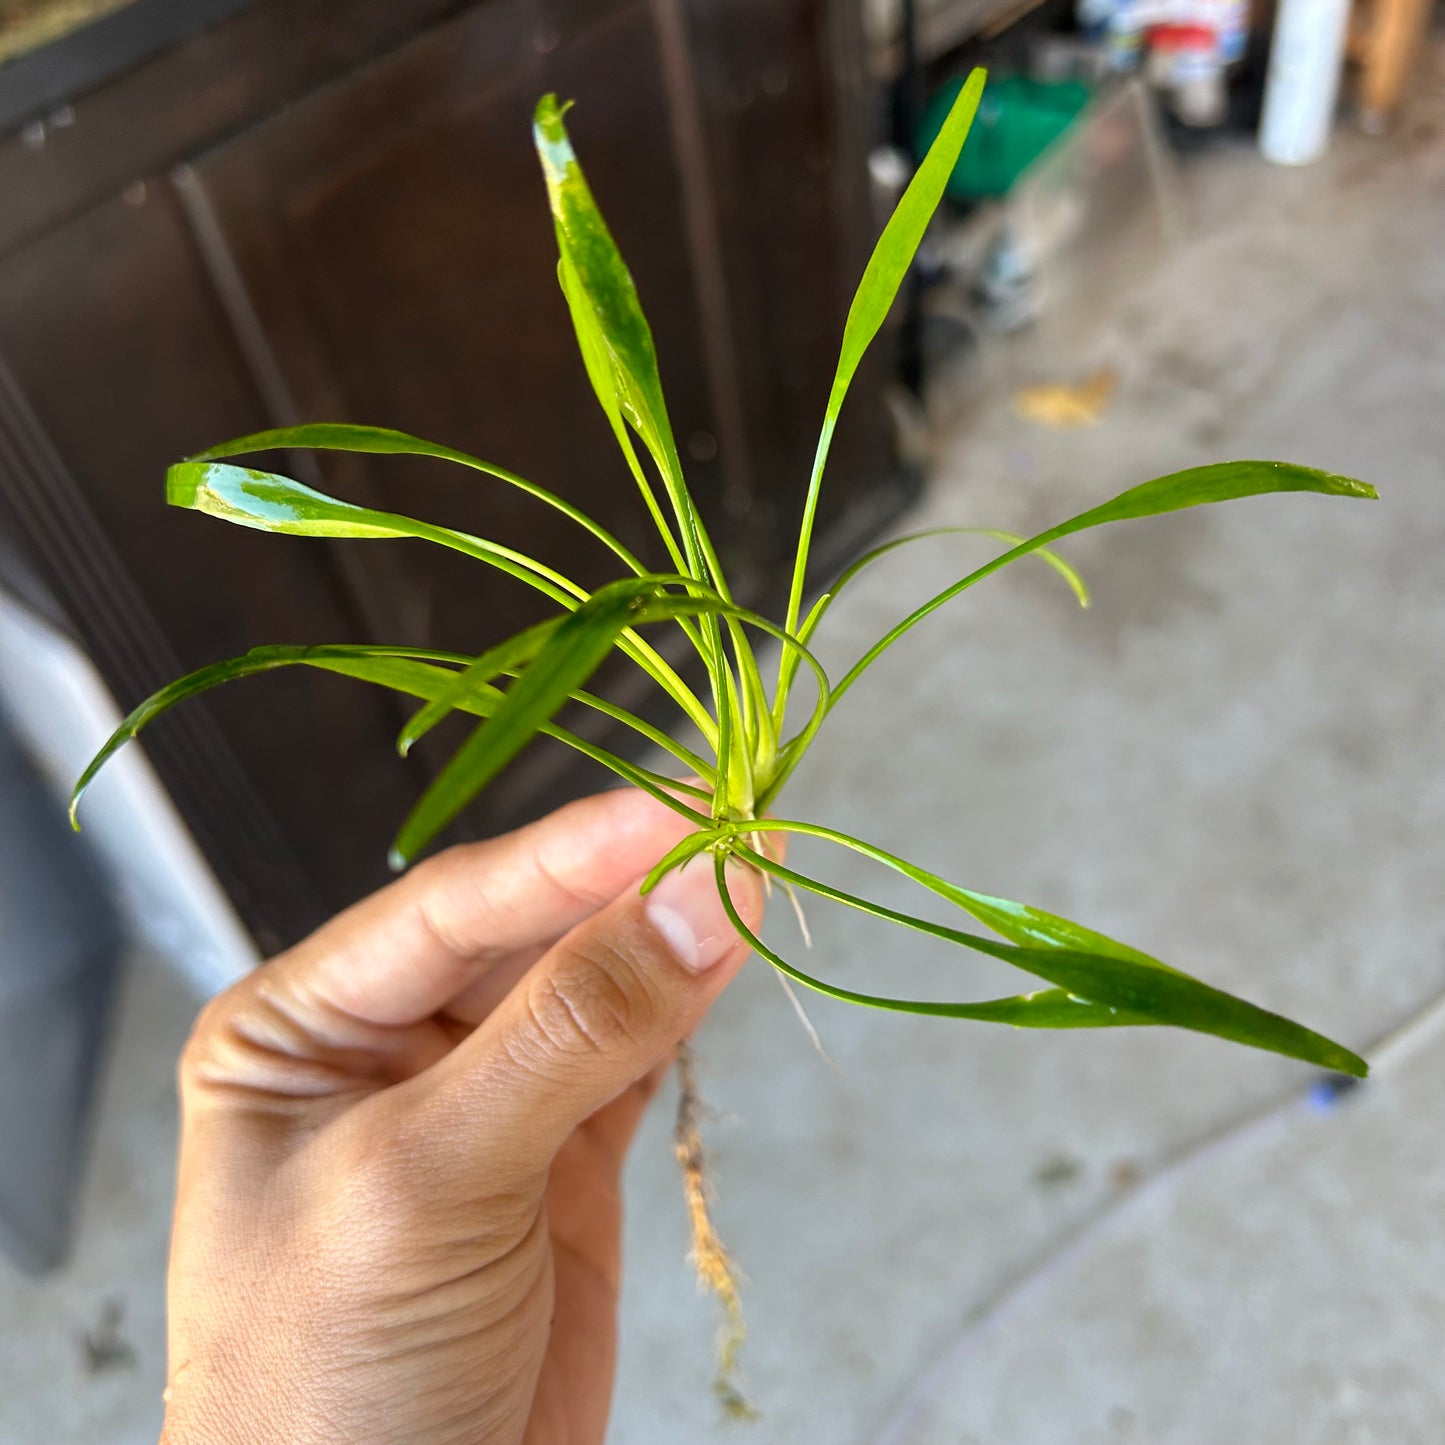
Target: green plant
point(752, 739)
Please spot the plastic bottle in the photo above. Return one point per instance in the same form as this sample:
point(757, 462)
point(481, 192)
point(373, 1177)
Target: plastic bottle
point(1185, 61)
point(1303, 81)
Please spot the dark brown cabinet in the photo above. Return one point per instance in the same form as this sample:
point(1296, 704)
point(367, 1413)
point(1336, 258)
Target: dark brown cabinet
point(332, 211)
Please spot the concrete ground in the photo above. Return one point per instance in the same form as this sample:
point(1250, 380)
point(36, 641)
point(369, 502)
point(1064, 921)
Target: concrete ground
point(974, 1236)
point(82, 1351)
point(1231, 760)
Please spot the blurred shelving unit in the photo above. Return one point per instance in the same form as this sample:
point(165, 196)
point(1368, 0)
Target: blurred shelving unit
point(941, 26)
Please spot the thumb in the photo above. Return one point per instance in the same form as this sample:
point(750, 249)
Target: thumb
point(605, 1005)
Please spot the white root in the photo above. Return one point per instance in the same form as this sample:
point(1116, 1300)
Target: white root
point(807, 1023)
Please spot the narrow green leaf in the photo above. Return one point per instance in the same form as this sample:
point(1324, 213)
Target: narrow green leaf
point(694, 763)
point(259, 659)
point(268, 502)
point(1022, 923)
point(569, 657)
point(1045, 1009)
point(413, 671)
point(420, 679)
point(898, 245)
point(593, 346)
point(622, 335)
point(474, 679)
point(619, 345)
point(384, 441)
point(1115, 977)
point(503, 659)
point(1069, 573)
point(704, 600)
point(678, 855)
point(1196, 487)
point(797, 745)
point(621, 363)
point(1217, 482)
point(573, 652)
point(819, 609)
point(272, 503)
point(883, 275)
point(1053, 1008)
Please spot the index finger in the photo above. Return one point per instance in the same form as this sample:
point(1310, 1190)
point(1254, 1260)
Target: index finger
point(404, 953)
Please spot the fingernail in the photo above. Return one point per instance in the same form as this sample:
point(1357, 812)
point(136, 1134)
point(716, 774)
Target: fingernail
point(686, 910)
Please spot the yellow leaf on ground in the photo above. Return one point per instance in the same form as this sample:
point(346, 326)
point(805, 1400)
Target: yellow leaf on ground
point(1061, 404)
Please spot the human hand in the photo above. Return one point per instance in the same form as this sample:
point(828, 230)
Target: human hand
point(398, 1214)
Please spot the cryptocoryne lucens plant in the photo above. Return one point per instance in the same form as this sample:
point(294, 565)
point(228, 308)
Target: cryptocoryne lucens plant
point(752, 736)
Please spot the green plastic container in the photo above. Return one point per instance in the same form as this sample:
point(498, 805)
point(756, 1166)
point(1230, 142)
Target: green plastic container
point(1018, 120)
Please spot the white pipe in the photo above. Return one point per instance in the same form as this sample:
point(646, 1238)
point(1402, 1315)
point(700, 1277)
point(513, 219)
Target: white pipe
point(1304, 80)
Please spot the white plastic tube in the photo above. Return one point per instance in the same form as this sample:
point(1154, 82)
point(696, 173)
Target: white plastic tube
point(1304, 80)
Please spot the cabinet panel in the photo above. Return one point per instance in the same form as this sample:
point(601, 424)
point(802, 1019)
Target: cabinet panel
point(404, 273)
point(390, 244)
point(781, 87)
point(121, 356)
point(209, 85)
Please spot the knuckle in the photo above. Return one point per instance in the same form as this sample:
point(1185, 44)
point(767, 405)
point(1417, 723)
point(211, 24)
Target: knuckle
point(455, 906)
point(259, 1041)
point(595, 1002)
point(437, 878)
point(200, 1042)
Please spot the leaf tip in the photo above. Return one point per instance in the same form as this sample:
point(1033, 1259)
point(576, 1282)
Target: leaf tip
point(1346, 1067)
point(1352, 1065)
point(549, 135)
point(83, 783)
point(396, 860)
point(1342, 486)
